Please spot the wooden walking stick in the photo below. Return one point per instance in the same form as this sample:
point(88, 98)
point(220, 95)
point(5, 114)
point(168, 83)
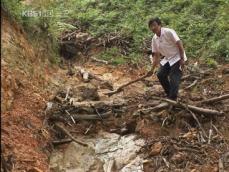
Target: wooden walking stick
point(119, 89)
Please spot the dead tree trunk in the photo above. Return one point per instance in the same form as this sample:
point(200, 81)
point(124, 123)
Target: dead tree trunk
point(195, 109)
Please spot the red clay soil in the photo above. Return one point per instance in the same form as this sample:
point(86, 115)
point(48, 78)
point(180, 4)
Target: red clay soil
point(21, 134)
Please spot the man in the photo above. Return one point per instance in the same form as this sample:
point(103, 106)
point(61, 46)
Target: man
point(168, 44)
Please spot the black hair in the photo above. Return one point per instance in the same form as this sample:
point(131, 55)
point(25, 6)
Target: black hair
point(156, 19)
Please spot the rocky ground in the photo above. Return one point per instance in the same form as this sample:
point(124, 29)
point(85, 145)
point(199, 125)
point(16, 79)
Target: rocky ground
point(146, 138)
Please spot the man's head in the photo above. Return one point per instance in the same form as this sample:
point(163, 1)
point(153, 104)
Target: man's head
point(155, 25)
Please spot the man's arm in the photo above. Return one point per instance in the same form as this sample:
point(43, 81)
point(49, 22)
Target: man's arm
point(181, 51)
point(155, 54)
point(174, 37)
point(156, 59)
point(181, 48)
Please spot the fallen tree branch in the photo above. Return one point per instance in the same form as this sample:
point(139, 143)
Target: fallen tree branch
point(88, 129)
point(70, 116)
point(196, 75)
point(191, 85)
point(159, 107)
point(119, 89)
point(98, 104)
point(216, 129)
point(215, 99)
point(186, 149)
point(198, 122)
point(97, 112)
point(65, 131)
point(99, 60)
point(92, 117)
point(81, 117)
point(196, 109)
point(60, 142)
point(185, 77)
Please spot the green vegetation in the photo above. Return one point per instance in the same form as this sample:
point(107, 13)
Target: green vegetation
point(211, 62)
point(112, 55)
point(201, 24)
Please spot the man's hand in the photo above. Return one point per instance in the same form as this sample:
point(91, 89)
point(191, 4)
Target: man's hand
point(150, 72)
point(182, 64)
point(154, 64)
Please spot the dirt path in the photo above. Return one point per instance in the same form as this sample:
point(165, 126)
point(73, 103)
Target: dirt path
point(171, 139)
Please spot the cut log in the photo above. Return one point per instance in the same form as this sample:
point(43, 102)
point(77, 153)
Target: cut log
point(87, 75)
point(98, 104)
point(195, 109)
point(215, 99)
point(81, 117)
point(65, 131)
point(119, 89)
point(99, 60)
point(60, 142)
point(92, 117)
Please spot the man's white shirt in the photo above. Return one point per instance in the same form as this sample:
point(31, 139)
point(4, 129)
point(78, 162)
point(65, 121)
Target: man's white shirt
point(166, 46)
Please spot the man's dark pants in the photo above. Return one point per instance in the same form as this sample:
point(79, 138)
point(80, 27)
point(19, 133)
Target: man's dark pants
point(170, 77)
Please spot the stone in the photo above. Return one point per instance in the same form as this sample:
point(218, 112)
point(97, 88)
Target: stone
point(106, 152)
point(75, 158)
point(156, 149)
point(178, 158)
